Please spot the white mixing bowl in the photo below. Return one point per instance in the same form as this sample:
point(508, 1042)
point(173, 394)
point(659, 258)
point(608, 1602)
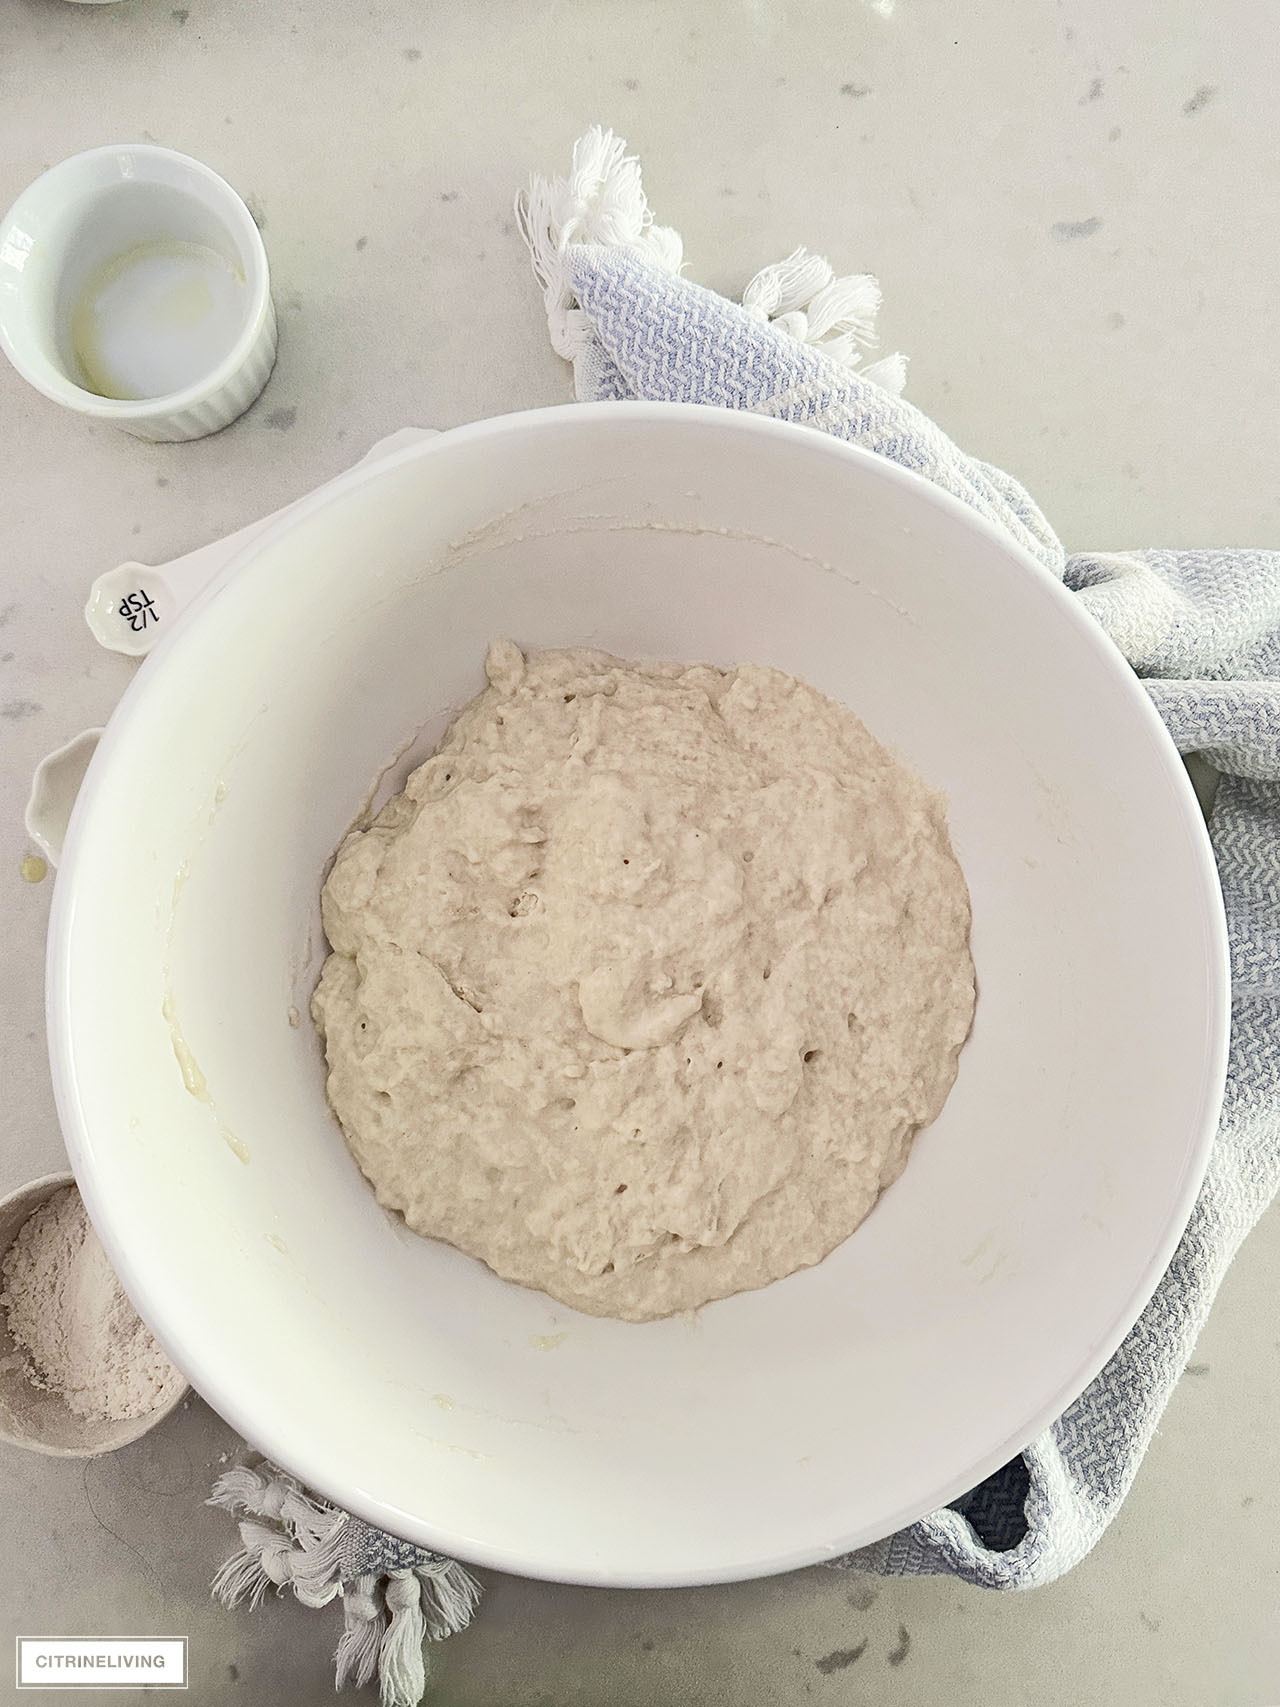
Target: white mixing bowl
point(403, 1379)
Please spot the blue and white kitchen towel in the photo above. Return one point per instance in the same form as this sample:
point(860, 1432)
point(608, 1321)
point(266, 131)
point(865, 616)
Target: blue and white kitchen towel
point(1202, 629)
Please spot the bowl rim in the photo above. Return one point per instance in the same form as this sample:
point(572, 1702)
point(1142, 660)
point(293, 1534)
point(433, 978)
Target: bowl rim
point(273, 1439)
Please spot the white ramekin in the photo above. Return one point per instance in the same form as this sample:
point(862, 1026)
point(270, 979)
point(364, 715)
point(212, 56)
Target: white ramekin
point(40, 1419)
point(73, 220)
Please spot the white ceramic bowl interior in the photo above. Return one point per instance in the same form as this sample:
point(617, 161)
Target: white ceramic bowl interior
point(402, 1378)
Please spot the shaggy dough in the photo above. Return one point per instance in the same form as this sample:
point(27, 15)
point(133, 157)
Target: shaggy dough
point(642, 988)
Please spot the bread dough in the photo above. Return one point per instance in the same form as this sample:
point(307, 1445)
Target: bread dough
point(641, 989)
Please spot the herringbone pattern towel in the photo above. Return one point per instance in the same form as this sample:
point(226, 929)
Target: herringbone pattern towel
point(1202, 628)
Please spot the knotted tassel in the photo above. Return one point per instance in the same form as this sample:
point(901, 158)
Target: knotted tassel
point(450, 1595)
point(803, 298)
point(239, 1489)
point(364, 1619)
point(401, 1665)
point(240, 1578)
point(602, 200)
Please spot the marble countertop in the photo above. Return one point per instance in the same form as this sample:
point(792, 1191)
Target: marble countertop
point(1069, 208)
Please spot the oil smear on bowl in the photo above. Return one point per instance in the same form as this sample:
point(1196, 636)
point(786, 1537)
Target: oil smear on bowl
point(193, 1077)
point(156, 319)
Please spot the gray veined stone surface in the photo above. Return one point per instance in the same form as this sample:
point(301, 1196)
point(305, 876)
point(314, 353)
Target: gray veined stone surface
point(1127, 373)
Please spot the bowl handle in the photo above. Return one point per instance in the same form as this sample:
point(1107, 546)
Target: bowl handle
point(54, 788)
